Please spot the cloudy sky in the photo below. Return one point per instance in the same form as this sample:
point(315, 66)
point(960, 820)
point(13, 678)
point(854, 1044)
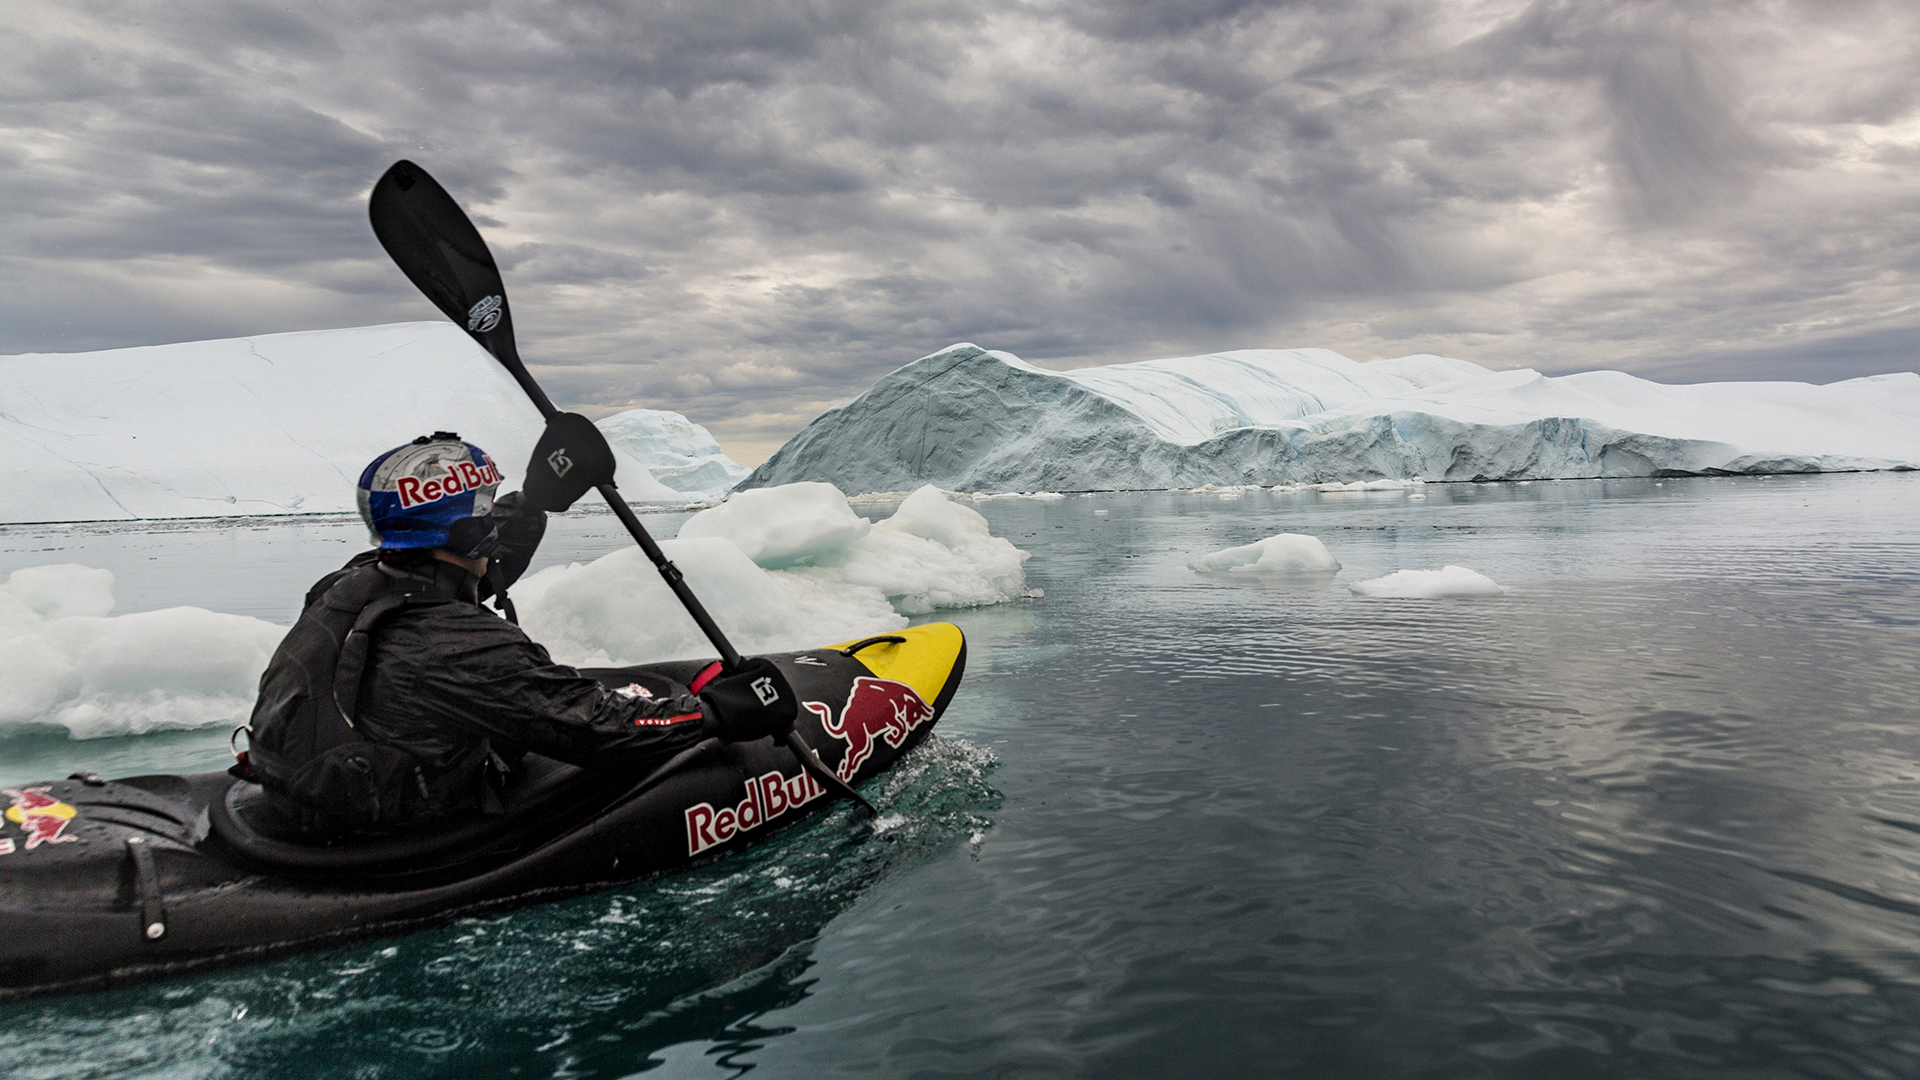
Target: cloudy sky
point(749, 211)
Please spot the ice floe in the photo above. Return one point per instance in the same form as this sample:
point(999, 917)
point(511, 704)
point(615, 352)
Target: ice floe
point(776, 527)
point(64, 661)
point(839, 577)
point(1448, 581)
point(1287, 553)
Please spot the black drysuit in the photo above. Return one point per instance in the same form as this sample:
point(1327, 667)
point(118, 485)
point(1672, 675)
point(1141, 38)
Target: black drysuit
point(460, 691)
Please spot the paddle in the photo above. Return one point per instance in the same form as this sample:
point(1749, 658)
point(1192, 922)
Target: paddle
point(434, 243)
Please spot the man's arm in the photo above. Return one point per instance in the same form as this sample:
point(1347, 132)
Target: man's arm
point(455, 666)
point(521, 529)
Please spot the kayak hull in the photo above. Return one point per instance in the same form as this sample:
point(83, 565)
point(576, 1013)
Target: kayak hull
point(108, 882)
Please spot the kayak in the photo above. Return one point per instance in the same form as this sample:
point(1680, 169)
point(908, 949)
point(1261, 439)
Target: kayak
point(105, 882)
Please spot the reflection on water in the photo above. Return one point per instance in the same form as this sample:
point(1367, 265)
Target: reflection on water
point(1655, 812)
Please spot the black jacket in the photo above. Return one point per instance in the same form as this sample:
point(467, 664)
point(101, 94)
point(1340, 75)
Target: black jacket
point(450, 692)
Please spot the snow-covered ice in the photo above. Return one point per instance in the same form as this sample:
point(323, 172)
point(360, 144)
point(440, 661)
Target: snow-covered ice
point(65, 661)
point(1287, 553)
point(779, 526)
point(931, 554)
point(1448, 581)
point(616, 609)
point(853, 578)
point(275, 424)
point(968, 419)
point(678, 452)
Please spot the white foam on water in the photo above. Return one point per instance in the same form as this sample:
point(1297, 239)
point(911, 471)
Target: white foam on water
point(65, 661)
point(1286, 553)
point(1449, 581)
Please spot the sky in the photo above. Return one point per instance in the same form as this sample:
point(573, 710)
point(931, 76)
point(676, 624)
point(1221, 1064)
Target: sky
point(748, 212)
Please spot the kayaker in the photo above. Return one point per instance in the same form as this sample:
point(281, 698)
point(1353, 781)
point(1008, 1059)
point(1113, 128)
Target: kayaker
point(398, 701)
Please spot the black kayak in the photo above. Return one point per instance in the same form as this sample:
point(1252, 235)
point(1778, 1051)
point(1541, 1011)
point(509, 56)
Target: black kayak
point(104, 882)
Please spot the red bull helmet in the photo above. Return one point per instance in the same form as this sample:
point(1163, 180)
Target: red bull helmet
point(424, 494)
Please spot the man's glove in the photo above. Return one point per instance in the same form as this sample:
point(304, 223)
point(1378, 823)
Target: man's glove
point(752, 702)
point(571, 458)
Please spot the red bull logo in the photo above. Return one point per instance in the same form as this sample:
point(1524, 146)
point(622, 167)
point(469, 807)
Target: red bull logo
point(460, 476)
point(42, 816)
point(768, 797)
point(875, 708)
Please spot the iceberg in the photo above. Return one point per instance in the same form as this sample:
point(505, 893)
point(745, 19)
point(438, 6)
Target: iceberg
point(678, 452)
point(971, 419)
point(269, 425)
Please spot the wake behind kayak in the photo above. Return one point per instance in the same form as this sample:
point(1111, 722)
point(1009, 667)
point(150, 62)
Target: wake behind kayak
point(106, 882)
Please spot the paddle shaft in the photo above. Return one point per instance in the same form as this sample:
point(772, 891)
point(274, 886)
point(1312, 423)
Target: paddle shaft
point(436, 245)
point(729, 656)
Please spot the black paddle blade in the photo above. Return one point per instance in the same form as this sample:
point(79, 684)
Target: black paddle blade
point(571, 458)
point(437, 247)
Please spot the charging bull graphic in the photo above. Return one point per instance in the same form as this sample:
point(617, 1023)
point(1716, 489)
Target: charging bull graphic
point(875, 707)
point(41, 815)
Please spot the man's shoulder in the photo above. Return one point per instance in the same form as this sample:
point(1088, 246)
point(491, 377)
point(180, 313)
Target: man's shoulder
point(325, 585)
point(438, 615)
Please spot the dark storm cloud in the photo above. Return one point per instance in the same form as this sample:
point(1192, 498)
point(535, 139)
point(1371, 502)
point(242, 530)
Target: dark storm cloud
point(748, 211)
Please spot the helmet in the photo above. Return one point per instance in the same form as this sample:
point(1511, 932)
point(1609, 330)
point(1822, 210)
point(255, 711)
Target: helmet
point(435, 491)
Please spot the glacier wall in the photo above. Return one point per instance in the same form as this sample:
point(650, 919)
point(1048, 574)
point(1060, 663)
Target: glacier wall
point(275, 424)
point(970, 419)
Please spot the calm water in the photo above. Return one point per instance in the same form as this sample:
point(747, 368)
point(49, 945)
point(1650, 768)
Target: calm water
point(1654, 813)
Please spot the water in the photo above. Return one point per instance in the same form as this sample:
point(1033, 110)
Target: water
point(1654, 813)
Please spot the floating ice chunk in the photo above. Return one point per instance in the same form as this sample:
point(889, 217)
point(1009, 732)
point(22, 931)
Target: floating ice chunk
point(779, 526)
point(1367, 485)
point(989, 496)
point(34, 594)
point(1287, 553)
point(65, 662)
point(616, 610)
point(930, 554)
point(1429, 584)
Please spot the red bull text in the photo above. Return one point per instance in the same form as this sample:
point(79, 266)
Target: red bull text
point(42, 816)
point(768, 796)
point(460, 476)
